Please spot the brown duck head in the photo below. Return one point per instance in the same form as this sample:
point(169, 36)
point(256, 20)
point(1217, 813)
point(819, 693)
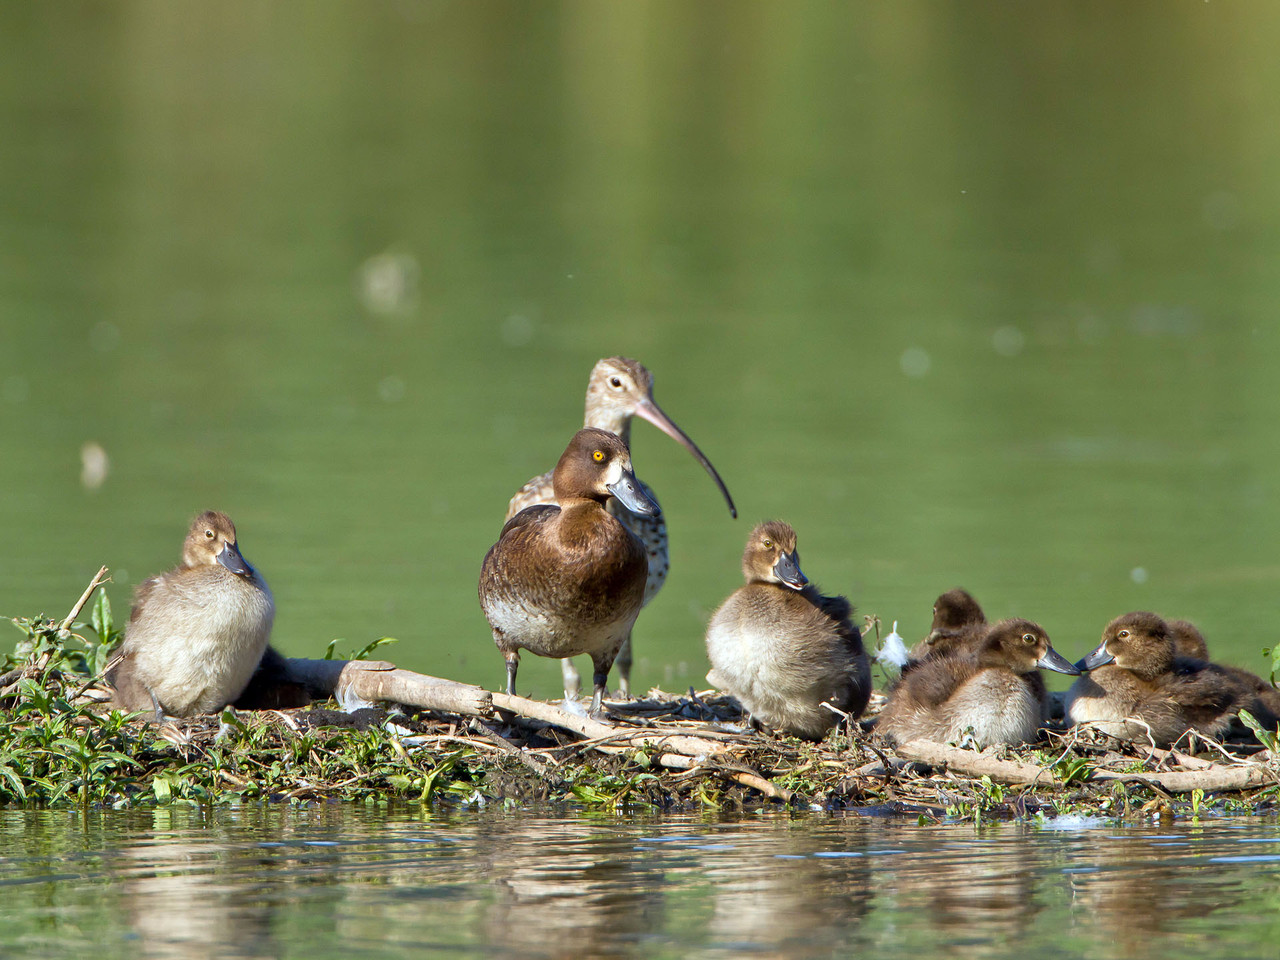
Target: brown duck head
point(620, 389)
point(1188, 641)
point(1022, 647)
point(1139, 642)
point(212, 540)
point(771, 556)
point(955, 609)
point(596, 466)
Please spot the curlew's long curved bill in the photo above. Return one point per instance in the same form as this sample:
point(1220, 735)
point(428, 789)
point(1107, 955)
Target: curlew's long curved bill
point(653, 413)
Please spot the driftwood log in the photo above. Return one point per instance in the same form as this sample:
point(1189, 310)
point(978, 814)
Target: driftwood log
point(1214, 778)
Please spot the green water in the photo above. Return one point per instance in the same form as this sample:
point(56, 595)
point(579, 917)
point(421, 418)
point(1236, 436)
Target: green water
point(970, 293)
point(338, 881)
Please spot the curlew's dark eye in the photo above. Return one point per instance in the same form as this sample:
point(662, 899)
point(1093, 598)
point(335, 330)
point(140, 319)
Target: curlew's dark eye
point(615, 382)
point(208, 534)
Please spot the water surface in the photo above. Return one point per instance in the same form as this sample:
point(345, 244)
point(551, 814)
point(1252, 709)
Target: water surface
point(341, 880)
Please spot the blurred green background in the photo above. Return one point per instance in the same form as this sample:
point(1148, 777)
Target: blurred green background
point(970, 293)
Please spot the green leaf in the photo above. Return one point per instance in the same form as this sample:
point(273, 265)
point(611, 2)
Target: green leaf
point(163, 790)
point(1268, 738)
point(372, 645)
point(103, 625)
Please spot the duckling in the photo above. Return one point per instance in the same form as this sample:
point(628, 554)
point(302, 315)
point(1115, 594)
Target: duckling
point(568, 578)
point(993, 690)
point(618, 390)
point(958, 622)
point(197, 633)
point(1188, 641)
point(782, 648)
point(1137, 688)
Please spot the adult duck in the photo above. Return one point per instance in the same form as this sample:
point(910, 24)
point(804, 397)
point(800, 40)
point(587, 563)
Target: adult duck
point(568, 578)
point(619, 390)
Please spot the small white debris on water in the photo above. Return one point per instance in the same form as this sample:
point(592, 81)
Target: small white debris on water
point(1008, 341)
point(94, 465)
point(1072, 821)
point(893, 651)
point(1138, 574)
point(915, 362)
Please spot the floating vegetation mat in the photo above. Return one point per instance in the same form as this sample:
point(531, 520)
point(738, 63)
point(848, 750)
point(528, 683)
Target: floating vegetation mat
point(457, 744)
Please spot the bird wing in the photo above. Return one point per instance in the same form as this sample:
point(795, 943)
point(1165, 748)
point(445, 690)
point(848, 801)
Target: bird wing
point(537, 491)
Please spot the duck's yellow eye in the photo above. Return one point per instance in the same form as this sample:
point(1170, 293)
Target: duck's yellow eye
point(768, 544)
point(1028, 638)
point(598, 456)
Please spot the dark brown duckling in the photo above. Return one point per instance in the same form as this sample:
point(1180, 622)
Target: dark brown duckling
point(619, 390)
point(1137, 688)
point(568, 578)
point(782, 648)
point(1188, 641)
point(958, 623)
point(197, 633)
point(993, 690)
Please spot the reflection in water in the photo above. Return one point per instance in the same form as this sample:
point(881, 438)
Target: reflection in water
point(263, 881)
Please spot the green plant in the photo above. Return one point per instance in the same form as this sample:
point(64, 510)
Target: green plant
point(330, 652)
point(1268, 738)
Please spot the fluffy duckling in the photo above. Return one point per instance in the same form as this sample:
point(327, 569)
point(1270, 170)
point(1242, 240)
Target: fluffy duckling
point(1137, 687)
point(782, 648)
point(958, 622)
point(197, 633)
point(568, 578)
point(1188, 641)
point(993, 690)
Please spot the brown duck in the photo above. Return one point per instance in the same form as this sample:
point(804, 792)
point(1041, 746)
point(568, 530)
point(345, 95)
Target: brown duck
point(992, 691)
point(1138, 688)
point(197, 633)
point(958, 623)
point(620, 389)
point(782, 648)
point(567, 578)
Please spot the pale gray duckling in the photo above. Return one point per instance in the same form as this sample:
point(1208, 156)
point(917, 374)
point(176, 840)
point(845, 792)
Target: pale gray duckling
point(197, 633)
point(782, 648)
point(567, 578)
point(992, 691)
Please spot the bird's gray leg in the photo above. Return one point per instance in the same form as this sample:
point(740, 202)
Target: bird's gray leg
point(623, 663)
point(601, 683)
point(572, 680)
point(513, 664)
point(159, 709)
